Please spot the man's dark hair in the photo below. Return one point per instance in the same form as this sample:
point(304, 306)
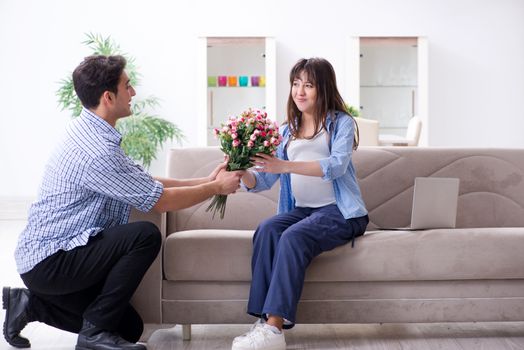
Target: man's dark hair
point(95, 75)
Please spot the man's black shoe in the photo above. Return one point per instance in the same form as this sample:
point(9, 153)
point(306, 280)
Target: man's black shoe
point(91, 337)
point(15, 301)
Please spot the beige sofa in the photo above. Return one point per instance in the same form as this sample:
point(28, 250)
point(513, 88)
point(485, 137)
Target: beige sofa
point(472, 273)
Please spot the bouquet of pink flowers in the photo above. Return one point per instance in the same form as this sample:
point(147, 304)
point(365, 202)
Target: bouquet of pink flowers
point(240, 139)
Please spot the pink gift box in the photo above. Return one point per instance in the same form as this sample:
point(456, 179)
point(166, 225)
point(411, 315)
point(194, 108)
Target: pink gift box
point(222, 80)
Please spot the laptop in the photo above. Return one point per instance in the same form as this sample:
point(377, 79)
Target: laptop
point(434, 204)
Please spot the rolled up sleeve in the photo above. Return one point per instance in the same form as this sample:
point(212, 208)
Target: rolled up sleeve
point(264, 181)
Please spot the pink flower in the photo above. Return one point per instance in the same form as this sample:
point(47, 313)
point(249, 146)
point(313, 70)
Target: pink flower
point(241, 137)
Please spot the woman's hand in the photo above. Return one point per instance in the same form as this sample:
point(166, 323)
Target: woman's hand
point(269, 164)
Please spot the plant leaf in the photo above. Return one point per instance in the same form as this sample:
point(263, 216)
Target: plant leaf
point(143, 133)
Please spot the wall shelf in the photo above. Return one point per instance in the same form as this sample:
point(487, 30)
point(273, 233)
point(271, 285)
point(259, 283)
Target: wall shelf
point(388, 78)
point(227, 56)
point(234, 87)
point(388, 86)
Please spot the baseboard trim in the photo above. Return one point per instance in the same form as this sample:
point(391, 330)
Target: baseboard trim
point(15, 208)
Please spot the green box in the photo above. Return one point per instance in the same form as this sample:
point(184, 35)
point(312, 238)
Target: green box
point(211, 80)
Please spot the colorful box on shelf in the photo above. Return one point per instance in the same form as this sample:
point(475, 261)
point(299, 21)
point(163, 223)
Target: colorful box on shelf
point(211, 80)
point(222, 80)
point(232, 80)
point(262, 81)
point(242, 80)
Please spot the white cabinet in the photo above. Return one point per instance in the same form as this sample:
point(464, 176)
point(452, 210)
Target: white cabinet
point(388, 82)
point(239, 73)
point(387, 77)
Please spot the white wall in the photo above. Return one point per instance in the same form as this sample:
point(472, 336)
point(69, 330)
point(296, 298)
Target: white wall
point(476, 61)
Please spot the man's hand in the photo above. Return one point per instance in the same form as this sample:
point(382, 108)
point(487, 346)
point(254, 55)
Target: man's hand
point(220, 167)
point(228, 181)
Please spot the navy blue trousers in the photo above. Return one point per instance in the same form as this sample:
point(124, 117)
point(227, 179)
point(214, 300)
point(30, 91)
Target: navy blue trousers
point(283, 247)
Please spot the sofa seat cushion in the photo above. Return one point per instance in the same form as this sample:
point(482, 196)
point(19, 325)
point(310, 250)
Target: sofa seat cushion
point(443, 254)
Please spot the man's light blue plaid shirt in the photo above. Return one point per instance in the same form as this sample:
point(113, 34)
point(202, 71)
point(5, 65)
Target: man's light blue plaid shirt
point(89, 185)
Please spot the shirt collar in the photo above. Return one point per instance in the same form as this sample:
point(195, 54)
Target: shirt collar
point(103, 127)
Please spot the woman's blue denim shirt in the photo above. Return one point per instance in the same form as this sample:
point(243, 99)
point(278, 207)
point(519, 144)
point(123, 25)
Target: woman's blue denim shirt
point(338, 167)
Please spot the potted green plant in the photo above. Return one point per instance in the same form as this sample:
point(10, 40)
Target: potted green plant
point(143, 133)
point(351, 110)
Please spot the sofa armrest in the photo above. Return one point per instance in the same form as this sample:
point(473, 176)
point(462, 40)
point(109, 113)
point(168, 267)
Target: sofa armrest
point(147, 299)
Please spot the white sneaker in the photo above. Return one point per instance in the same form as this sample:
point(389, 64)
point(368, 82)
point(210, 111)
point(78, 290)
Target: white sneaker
point(259, 323)
point(260, 338)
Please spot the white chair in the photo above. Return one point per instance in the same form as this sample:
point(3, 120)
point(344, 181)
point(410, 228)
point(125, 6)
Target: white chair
point(412, 135)
point(368, 131)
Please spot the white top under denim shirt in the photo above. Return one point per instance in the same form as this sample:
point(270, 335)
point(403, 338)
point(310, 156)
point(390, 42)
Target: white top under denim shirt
point(89, 185)
point(337, 168)
point(310, 191)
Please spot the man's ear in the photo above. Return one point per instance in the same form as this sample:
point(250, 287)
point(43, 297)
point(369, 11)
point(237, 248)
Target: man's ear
point(107, 97)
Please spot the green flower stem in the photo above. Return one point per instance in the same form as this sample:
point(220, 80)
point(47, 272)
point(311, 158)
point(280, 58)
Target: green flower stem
point(218, 204)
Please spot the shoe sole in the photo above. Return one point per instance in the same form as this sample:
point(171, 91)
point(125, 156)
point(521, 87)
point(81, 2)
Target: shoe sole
point(5, 306)
point(233, 347)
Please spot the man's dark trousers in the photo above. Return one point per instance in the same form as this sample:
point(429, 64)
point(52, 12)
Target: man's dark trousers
point(95, 282)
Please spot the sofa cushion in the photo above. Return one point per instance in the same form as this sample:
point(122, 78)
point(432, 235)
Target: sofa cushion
point(187, 163)
point(491, 183)
point(491, 186)
point(443, 254)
